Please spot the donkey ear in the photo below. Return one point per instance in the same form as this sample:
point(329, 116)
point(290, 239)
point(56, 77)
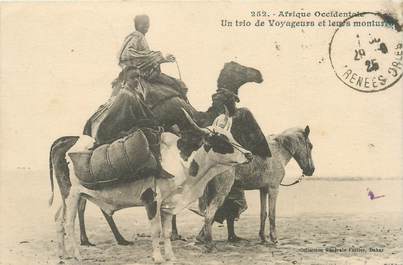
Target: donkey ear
point(307, 131)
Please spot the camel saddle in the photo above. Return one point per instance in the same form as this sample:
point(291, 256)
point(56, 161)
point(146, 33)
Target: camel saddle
point(124, 160)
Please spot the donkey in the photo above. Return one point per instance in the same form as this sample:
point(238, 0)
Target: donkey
point(261, 174)
point(162, 198)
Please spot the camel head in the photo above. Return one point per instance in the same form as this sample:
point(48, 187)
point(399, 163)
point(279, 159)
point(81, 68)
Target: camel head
point(234, 75)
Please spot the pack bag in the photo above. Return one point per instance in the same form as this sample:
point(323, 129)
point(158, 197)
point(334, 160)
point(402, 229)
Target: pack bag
point(124, 160)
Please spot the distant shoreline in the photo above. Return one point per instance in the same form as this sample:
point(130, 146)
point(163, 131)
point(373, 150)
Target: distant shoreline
point(351, 178)
point(28, 170)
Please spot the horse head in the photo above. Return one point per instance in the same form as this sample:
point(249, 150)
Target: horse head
point(234, 75)
point(296, 141)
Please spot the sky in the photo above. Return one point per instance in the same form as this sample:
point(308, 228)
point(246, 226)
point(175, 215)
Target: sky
point(58, 60)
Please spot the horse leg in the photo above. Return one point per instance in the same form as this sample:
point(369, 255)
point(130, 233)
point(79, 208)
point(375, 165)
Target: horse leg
point(119, 238)
point(166, 232)
point(153, 206)
point(71, 213)
point(263, 213)
point(273, 192)
point(83, 233)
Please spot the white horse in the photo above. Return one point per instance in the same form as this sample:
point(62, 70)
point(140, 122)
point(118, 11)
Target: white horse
point(162, 198)
point(264, 175)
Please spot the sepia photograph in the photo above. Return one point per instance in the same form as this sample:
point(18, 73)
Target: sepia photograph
point(201, 132)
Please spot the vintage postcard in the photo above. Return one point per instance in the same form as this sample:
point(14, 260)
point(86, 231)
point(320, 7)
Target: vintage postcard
point(201, 132)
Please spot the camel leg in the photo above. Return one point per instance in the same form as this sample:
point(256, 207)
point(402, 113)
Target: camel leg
point(273, 192)
point(263, 213)
point(71, 213)
point(175, 235)
point(119, 238)
point(153, 213)
point(83, 233)
point(166, 232)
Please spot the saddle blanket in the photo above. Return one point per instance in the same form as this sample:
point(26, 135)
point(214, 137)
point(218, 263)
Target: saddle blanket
point(124, 160)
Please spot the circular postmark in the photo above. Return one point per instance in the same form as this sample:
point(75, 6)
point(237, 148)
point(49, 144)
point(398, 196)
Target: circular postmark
point(366, 52)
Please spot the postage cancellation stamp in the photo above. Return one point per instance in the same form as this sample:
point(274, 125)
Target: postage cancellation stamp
point(366, 52)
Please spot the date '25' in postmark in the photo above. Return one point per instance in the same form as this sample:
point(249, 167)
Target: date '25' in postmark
point(366, 52)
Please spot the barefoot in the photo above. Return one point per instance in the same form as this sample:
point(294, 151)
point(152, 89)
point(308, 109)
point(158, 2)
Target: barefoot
point(87, 243)
point(235, 238)
point(175, 237)
point(124, 242)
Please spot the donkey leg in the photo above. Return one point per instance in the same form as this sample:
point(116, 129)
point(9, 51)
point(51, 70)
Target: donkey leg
point(119, 238)
point(273, 192)
point(81, 220)
point(263, 213)
point(71, 213)
point(153, 213)
point(59, 219)
point(166, 231)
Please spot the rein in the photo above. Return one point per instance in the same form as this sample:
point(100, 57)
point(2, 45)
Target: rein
point(302, 175)
point(236, 146)
point(179, 70)
point(295, 182)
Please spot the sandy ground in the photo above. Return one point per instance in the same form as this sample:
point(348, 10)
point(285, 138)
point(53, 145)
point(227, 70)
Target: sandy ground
point(314, 219)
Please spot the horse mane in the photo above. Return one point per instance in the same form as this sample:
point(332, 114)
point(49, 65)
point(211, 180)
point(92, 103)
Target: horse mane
point(285, 137)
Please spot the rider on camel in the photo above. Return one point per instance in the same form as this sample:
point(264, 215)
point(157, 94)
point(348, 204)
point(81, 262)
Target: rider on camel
point(136, 54)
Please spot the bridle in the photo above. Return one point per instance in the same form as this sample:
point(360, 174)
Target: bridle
point(292, 155)
point(234, 145)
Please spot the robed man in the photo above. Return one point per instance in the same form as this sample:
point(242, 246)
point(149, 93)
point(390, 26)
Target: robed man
point(136, 54)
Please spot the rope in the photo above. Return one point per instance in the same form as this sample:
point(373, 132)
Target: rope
point(179, 70)
point(295, 182)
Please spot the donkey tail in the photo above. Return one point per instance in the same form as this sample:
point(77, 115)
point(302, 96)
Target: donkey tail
point(52, 186)
point(58, 164)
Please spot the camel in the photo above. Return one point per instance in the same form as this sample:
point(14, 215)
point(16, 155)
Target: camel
point(162, 198)
point(264, 175)
point(168, 112)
